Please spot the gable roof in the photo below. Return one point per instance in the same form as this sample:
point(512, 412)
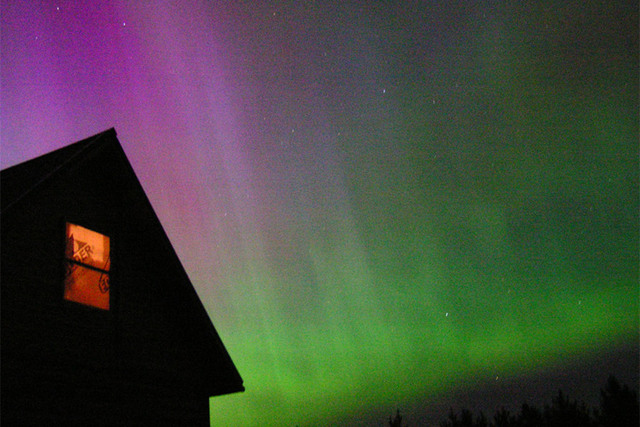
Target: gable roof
point(20, 181)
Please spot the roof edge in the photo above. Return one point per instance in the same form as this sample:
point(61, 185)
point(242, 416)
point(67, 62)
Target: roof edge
point(76, 149)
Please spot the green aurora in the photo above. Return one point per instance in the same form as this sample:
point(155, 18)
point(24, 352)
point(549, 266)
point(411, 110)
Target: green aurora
point(486, 227)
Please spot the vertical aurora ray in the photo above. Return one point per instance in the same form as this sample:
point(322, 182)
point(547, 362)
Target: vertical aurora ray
point(378, 206)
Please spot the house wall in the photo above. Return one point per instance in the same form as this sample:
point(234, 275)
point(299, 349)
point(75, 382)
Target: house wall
point(146, 360)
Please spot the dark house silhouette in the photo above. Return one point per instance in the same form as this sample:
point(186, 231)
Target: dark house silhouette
point(100, 322)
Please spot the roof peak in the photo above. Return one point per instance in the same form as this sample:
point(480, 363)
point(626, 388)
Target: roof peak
point(43, 167)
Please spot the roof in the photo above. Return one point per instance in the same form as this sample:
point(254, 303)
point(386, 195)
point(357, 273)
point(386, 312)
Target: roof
point(21, 179)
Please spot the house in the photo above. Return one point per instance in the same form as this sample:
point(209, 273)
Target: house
point(100, 322)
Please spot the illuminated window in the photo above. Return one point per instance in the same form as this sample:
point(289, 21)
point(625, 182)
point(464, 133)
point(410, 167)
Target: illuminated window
point(87, 267)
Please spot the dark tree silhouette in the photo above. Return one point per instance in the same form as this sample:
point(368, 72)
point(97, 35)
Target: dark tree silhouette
point(565, 412)
point(530, 416)
point(618, 408)
point(397, 420)
point(451, 421)
point(503, 418)
point(481, 421)
point(465, 420)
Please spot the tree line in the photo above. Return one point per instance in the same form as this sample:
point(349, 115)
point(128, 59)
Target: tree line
point(618, 408)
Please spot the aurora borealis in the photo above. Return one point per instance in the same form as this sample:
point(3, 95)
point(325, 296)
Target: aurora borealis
point(380, 205)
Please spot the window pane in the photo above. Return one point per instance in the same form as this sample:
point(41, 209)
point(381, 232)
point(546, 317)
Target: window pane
point(88, 247)
point(87, 282)
point(86, 286)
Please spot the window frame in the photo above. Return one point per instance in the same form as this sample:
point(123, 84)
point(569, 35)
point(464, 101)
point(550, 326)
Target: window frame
point(66, 262)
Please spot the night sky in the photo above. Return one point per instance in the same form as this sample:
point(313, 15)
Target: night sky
point(390, 205)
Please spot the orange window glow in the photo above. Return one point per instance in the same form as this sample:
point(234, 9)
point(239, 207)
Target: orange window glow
point(87, 267)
